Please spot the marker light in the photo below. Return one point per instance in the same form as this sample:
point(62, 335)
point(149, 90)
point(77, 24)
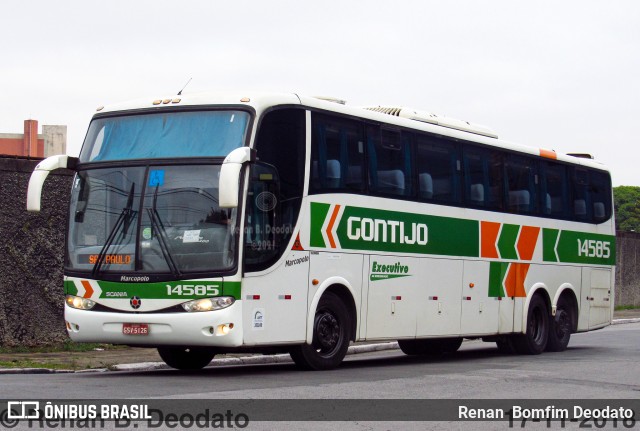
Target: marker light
point(208, 304)
point(224, 329)
point(79, 303)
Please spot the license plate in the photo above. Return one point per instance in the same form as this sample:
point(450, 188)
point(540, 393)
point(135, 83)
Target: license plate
point(135, 329)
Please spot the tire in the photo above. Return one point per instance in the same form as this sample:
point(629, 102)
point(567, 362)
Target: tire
point(560, 327)
point(534, 341)
point(186, 358)
point(331, 336)
point(411, 347)
point(433, 347)
point(505, 345)
point(443, 345)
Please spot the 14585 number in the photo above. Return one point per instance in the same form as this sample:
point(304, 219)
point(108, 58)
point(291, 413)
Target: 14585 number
point(593, 248)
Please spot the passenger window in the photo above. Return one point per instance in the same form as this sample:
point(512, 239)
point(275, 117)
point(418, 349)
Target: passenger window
point(521, 185)
point(437, 167)
point(554, 190)
point(484, 177)
point(337, 155)
point(592, 195)
point(389, 161)
point(600, 189)
point(581, 197)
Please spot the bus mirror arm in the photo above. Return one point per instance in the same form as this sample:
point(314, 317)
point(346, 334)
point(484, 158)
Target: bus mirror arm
point(229, 186)
point(39, 175)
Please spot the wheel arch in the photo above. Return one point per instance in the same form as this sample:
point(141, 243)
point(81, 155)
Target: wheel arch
point(342, 289)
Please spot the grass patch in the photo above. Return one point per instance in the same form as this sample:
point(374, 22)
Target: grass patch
point(626, 307)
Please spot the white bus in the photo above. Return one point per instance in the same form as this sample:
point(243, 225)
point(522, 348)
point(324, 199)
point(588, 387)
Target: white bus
point(205, 224)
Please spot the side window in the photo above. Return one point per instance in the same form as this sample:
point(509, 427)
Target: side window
point(581, 197)
point(337, 161)
point(600, 190)
point(484, 178)
point(591, 195)
point(554, 190)
point(437, 170)
point(389, 154)
point(276, 187)
point(521, 184)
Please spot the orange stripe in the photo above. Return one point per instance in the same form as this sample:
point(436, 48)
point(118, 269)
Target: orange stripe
point(514, 281)
point(334, 215)
point(88, 290)
point(549, 154)
point(488, 238)
point(521, 274)
point(527, 242)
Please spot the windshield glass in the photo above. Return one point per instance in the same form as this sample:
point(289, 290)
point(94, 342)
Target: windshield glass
point(156, 219)
point(165, 135)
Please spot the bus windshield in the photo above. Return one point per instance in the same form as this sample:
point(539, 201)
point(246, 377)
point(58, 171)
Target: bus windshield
point(154, 220)
point(165, 135)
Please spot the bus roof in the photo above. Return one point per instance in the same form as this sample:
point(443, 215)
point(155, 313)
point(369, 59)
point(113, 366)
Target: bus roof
point(399, 116)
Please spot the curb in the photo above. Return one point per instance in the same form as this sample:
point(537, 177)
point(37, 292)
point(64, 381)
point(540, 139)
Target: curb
point(247, 360)
point(623, 321)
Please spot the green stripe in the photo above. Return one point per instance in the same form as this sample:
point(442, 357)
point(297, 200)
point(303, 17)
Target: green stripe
point(318, 215)
point(164, 290)
point(507, 241)
point(549, 238)
point(70, 288)
point(585, 248)
point(444, 235)
point(376, 277)
point(497, 273)
point(232, 288)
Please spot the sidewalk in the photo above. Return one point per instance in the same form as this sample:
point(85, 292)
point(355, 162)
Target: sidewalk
point(133, 358)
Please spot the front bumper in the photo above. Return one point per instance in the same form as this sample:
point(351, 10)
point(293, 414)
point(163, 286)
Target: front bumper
point(165, 329)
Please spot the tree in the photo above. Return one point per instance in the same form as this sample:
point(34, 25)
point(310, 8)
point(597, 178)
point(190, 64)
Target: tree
point(626, 200)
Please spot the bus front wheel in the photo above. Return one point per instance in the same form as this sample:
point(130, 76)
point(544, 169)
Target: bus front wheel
point(186, 358)
point(331, 335)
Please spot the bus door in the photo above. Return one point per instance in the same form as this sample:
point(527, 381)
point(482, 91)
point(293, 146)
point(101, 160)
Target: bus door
point(440, 282)
point(481, 313)
point(274, 289)
point(393, 296)
point(596, 296)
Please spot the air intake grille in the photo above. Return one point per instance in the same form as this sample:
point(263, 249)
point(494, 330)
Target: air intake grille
point(428, 117)
point(389, 111)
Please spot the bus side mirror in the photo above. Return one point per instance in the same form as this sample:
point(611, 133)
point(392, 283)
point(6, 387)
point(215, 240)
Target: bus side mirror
point(39, 175)
point(229, 186)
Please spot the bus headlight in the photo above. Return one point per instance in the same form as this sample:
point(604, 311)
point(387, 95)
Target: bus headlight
point(79, 303)
point(208, 304)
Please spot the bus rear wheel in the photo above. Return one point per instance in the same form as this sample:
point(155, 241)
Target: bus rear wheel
point(436, 346)
point(560, 327)
point(331, 335)
point(534, 340)
point(186, 358)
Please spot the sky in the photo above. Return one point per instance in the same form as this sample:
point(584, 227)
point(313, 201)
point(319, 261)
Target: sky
point(563, 75)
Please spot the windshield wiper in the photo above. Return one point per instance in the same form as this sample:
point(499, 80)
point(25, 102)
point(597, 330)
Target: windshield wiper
point(157, 224)
point(124, 219)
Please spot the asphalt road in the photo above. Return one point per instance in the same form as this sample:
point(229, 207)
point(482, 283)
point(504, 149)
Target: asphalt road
point(600, 365)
